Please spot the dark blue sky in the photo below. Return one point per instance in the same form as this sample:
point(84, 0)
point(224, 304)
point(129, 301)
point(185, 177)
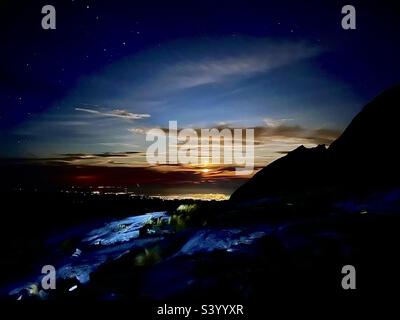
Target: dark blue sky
point(83, 87)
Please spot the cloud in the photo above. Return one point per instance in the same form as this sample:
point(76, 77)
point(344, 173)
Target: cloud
point(274, 123)
point(119, 144)
point(137, 130)
point(129, 158)
point(118, 113)
point(229, 62)
point(273, 129)
point(283, 131)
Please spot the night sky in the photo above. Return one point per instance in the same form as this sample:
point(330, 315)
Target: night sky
point(81, 97)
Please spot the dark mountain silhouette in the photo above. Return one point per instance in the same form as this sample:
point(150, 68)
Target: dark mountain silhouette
point(363, 158)
point(288, 174)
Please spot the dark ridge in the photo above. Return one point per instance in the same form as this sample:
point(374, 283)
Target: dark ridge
point(363, 158)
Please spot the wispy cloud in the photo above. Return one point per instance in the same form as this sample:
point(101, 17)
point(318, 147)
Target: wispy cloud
point(138, 130)
point(274, 123)
point(230, 63)
point(118, 113)
point(308, 135)
point(272, 130)
point(119, 144)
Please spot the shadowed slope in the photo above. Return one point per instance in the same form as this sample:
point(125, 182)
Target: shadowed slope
point(364, 157)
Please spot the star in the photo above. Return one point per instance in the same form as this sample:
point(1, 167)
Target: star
point(124, 43)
